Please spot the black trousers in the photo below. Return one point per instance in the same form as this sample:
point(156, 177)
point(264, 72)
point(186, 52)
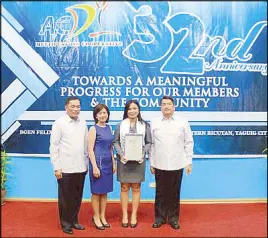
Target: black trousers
point(70, 193)
point(167, 195)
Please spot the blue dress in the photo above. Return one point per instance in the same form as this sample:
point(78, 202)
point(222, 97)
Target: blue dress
point(102, 151)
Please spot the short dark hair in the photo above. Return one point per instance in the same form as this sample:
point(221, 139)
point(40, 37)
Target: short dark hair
point(71, 99)
point(167, 97)
point(127, 108)
point(97, 109)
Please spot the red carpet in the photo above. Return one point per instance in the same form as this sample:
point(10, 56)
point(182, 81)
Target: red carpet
point(40, 219)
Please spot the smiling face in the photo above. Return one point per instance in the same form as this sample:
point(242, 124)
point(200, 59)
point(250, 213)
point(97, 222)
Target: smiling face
point(73, 109)
point(102, 116)
point(133, 111)
point(167, 107)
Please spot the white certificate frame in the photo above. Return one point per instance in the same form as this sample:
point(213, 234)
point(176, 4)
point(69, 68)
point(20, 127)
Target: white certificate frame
point(133, 146)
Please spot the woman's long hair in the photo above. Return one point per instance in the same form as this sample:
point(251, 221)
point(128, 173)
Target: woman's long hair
point(127, 108)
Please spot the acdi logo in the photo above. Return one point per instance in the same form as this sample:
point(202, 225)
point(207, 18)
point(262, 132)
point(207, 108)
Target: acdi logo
point(65, 30)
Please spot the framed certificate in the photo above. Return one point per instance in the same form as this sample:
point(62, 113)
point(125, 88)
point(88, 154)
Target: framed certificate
point(133, 146)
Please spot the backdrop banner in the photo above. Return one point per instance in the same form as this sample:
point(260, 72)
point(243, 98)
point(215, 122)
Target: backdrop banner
point(211, 57)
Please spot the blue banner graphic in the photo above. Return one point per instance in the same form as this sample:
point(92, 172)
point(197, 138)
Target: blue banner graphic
point(211, 57)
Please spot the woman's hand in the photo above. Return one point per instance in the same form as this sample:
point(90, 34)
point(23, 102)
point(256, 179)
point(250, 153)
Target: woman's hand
point(114, 167)
point(96, 172)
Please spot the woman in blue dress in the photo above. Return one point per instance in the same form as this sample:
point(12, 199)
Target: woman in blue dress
point(102, 164)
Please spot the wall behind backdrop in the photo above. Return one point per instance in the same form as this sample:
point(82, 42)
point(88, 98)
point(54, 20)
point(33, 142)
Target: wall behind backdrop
point(211, 57)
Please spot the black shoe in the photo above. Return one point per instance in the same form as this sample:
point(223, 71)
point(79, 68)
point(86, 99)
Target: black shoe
point(133, 225)
point(175, 225)
point(125, 225)
point(157, 224)
point(107, 225)
point(97, 227)
point(78, 227)
point(67, 230)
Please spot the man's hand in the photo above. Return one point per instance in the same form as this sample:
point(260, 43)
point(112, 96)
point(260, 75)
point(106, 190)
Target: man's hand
point(140, 161)
point(124, 159)
point(188, 169)
point(58, 173)
point(152, 170)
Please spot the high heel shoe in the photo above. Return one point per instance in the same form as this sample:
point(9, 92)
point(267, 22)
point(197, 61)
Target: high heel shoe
point(133, 225)
point(97, 227)
point(125, 225)
point(107, 225)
